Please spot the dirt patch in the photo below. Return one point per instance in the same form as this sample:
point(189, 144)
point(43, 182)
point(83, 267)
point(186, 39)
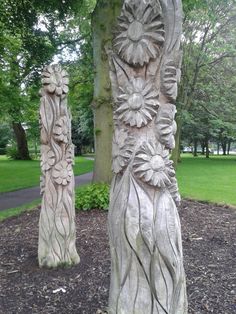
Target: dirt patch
point(209, 239)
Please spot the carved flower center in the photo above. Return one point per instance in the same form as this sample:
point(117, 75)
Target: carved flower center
point(64, 173)
point(135, 31)
point(157, 163)
point(57, 79)
point(135, 101)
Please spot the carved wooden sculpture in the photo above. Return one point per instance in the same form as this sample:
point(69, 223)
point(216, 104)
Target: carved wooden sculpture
point(56, 225)
point(145, 234)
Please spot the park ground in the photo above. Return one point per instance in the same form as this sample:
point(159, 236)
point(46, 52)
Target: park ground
point(209, 243)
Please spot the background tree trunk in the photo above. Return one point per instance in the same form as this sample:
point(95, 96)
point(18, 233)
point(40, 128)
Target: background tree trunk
point(224, 146)
point(195, 147)
point(21, 141)
point(104, 17)
point(228, 147)
point(207, 147)
point(175, 155)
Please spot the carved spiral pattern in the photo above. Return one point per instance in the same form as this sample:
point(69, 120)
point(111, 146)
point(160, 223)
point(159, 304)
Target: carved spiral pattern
point(56, 225)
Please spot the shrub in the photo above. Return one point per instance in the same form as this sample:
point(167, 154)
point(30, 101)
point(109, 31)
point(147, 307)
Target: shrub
point(12, 152)
point(92, 196)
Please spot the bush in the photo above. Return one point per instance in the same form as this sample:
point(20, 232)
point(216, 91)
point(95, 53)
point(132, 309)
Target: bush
point(92, 196)
point(12, 152)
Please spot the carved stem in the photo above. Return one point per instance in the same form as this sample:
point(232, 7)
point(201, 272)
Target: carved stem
point(147, 273)
point(56, 225)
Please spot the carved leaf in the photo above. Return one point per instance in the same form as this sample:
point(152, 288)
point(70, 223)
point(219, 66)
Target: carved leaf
point(122, 150)
point(169, 80)
point(166, 125)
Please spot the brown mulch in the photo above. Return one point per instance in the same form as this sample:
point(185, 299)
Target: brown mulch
point(209, 239)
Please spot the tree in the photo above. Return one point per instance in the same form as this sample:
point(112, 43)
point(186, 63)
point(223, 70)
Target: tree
point(103, 19)
point(208, 37)
point(32, 32)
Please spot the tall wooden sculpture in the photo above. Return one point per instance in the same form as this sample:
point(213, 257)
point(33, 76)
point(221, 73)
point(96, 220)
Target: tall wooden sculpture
point(145, 235)
point(56, 225)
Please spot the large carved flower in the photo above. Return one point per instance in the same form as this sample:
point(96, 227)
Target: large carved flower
point(166, 125)
point(60, 130)
point(47, 158)
point(55, 80)
point(152, 167)
point(138, 103)
point(62, 173)
point(122, 149)
point(140, 32)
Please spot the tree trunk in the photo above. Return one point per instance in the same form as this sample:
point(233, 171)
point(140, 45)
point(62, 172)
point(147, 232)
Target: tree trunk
point(57, 235)
point(224, 146)
point(218, 148)
point(195, 142)
point(228, 148)
point(175, 155)
point(207, 148)
point(104, 17)
point(203, 146)
point(147, 274)
point(21, 141)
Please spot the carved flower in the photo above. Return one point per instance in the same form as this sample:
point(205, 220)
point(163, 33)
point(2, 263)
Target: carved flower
point(47, 158)
point(152, 167)
point(166, 125)
point(55, 80)
point(61, 130)
point(122, 148)
point(169, 80)
point(140, 32)
point(138, 103)
point(62, 173)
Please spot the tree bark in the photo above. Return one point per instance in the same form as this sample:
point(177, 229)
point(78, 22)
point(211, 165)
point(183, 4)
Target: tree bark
point(203, 146)
point(195, 142)
point(207, 147)
point(224, 146)
point(103, 19)
point(176, 152)
point(228, 147)
point(21, 141)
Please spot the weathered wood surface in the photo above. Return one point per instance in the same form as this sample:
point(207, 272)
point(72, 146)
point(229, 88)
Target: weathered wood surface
point(145, 235)
point(56, 225)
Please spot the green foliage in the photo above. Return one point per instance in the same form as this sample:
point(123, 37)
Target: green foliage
point(93, 196)
point(5, 137)
point(12, 152)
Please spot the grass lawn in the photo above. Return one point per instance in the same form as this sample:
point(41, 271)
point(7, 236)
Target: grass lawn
point(11, 212)
point(212, 179)
point(15, 175)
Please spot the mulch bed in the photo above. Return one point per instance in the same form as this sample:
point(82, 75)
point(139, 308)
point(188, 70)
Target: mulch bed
point(209, 239)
